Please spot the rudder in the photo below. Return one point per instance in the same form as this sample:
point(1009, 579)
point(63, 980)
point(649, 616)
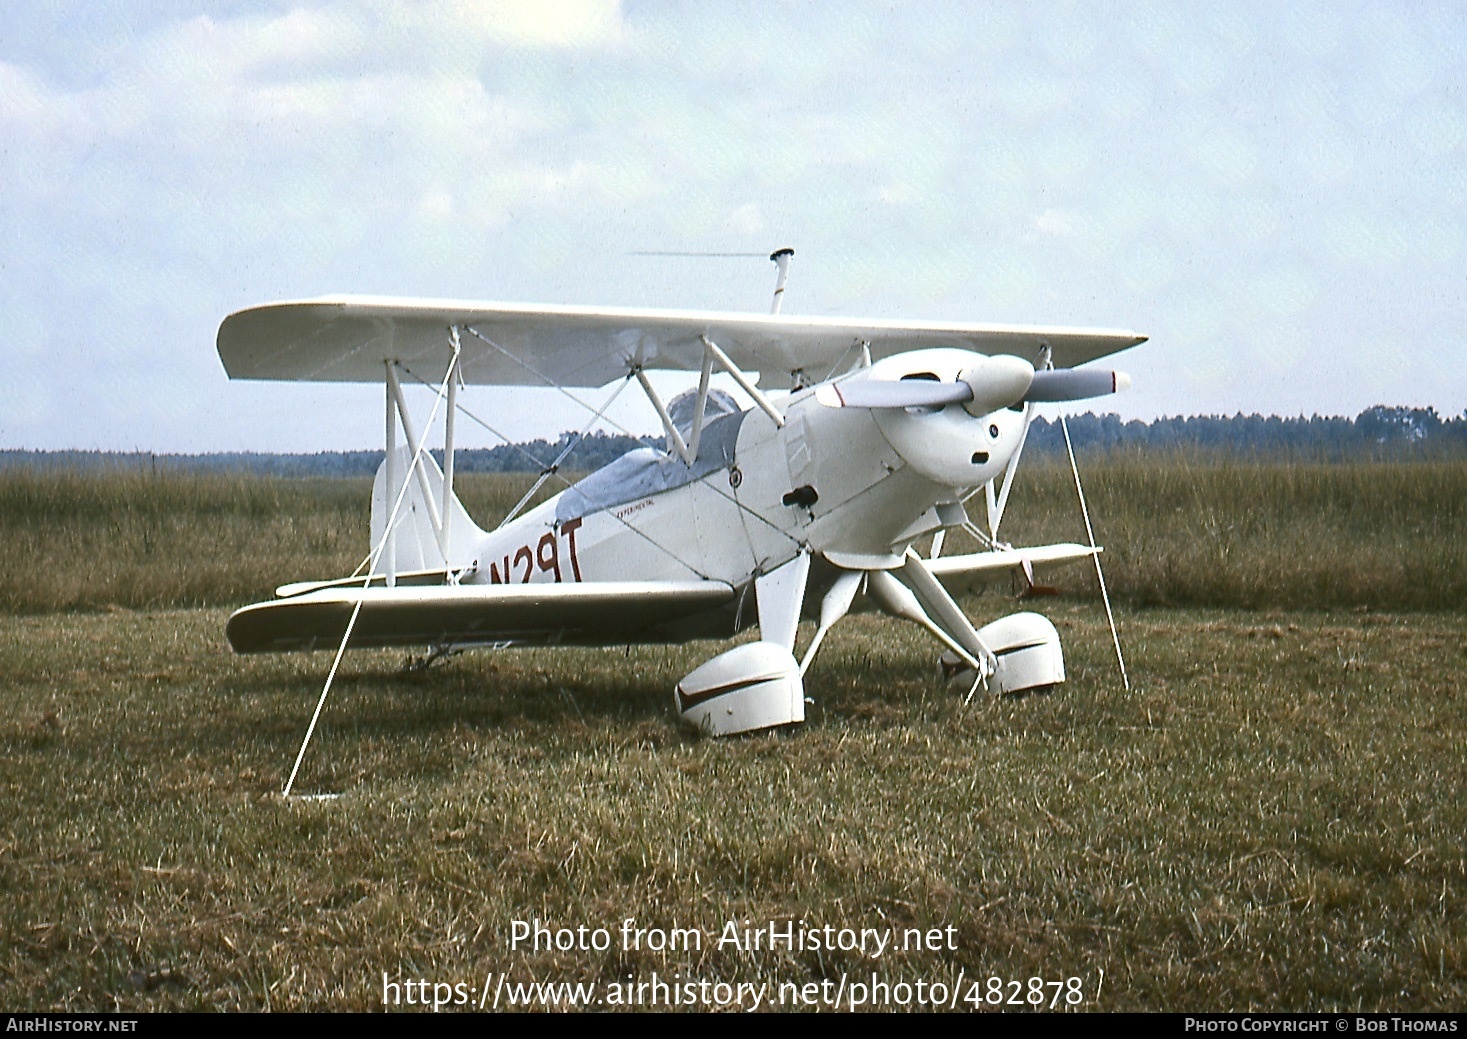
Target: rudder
point(416, 544)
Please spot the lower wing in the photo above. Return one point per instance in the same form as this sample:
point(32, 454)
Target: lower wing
point(594, 614)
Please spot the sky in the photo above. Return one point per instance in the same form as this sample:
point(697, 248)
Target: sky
point(1275, 194)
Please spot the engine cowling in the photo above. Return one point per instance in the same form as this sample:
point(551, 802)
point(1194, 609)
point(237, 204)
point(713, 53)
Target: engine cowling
point(962, 444)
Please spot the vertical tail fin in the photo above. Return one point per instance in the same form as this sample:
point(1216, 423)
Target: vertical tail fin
point(420, 530)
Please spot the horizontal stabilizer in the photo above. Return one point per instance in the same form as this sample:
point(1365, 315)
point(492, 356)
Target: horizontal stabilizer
point(597, 614)
point(404, 578)
point(959, 573)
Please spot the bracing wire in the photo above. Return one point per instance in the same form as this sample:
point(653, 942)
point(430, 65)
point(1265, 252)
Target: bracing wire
point(554, 468)
point(561, 477)
point(702, 256)
point(376, 557)
point(551, 383)
point(1099, 574)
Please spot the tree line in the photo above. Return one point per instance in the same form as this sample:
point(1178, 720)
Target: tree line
point(1381, 432)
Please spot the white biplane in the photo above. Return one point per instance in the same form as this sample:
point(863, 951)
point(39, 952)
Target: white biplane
point(795, 504)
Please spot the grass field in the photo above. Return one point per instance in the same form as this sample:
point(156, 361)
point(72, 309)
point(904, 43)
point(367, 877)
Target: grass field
point(1181, 530)
point(1271, 818)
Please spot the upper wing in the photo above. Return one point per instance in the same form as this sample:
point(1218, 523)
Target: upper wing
point(597, 614)
point(348, 339)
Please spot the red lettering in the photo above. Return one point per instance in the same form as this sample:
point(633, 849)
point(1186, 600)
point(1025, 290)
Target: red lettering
point(553, 562)
point(569, 528)
point(524, 550)
point(494, 577)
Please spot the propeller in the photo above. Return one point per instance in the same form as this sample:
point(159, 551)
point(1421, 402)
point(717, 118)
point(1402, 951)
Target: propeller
point(1061, 384)
point(880, 393)
point(994, 383)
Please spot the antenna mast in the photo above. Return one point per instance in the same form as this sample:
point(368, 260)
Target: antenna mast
point(781, 258)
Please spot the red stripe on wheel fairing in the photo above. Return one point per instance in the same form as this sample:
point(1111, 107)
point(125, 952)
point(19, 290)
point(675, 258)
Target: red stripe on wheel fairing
point(690, 700)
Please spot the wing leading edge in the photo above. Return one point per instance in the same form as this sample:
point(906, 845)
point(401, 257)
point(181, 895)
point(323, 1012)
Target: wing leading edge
point(609, 613)
point(349, 338)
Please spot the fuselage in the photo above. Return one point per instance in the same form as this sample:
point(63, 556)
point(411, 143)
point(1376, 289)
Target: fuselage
point(852, 486)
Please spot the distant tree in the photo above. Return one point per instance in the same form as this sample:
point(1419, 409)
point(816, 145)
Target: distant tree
point(1383, 425)
point(1387, 431)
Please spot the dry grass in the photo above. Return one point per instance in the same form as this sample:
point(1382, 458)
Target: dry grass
point(1195, 529)
point(1181, 530)
point(1272, 819)
point(146, 540)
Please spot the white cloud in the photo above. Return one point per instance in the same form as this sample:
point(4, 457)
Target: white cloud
point(1055, 222)
point(22, 99)
point(564, 24)
point(970, 164)
point(897, 193)
point(436, 204)
point(747, 219)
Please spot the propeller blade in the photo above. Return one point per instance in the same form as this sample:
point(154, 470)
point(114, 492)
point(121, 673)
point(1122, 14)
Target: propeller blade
point(1063, 384)
point(988, 384)
point(905, 393)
